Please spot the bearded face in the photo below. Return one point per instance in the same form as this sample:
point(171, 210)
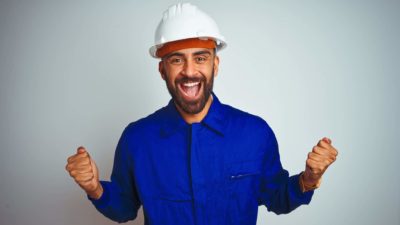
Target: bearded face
point(189, 76)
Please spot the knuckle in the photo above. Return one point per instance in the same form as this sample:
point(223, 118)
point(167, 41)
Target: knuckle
point(321, 151)
point(77, 177)
point(88, 170)
point(86, 161)
point(68, 167)
point(80, 179)
point(83, 184)
point(81, 164)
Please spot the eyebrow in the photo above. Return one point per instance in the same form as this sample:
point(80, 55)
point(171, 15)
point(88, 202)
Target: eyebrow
point(202, 52)
point(173, 54)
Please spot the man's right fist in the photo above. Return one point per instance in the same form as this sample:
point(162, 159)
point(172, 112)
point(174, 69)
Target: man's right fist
point(84, 171)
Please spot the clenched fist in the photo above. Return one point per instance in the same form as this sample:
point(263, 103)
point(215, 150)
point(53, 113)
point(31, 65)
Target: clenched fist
point(318, 160)
point(84, 171)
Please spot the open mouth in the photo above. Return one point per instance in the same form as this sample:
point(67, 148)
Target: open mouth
point(190, 89)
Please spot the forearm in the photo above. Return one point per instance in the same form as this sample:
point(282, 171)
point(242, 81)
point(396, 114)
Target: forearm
point(282, 194)
point(290, 196)
point(115, 205)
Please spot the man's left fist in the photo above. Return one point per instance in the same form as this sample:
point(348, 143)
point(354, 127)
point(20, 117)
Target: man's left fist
point(321, 157)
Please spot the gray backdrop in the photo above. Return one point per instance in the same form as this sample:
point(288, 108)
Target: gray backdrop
point(77, 72)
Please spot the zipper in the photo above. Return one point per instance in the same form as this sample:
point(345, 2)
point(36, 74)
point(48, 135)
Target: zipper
point(238, 176)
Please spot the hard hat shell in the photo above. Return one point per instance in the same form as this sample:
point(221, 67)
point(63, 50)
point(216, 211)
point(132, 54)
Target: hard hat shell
point(183, 21)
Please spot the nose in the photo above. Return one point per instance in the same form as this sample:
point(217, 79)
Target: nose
point(189, 68)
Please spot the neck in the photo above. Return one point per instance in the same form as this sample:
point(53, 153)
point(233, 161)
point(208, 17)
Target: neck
point(198, 117)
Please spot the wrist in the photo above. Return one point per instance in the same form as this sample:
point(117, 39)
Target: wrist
point(97, 193)
point(308, 184)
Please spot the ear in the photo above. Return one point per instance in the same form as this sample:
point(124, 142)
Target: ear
point(216, 65)
point(161, 69)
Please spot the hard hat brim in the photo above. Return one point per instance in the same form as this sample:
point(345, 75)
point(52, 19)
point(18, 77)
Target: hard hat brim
point(220, 44)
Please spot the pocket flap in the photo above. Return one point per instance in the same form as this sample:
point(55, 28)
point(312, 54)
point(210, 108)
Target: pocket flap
point(243, 169)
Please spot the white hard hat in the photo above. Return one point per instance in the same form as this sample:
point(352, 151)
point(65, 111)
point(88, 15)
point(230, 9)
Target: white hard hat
point(184, 21)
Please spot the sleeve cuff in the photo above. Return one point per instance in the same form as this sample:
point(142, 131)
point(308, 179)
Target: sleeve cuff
point(104, 199)
point(296, 192)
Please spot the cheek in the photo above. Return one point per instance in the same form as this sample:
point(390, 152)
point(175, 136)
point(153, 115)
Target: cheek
point(170, 79)
point(208, 72)
point(171, 73)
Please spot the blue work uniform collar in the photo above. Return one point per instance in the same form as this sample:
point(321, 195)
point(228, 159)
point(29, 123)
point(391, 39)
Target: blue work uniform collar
point(214, 120)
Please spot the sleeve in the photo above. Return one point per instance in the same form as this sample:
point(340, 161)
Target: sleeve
point(280, 193)
point(119, 201)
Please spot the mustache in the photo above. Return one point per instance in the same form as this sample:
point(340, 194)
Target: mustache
point(190, 79)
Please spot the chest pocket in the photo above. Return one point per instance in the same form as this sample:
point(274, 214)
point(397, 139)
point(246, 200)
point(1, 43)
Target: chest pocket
point(244, 176)
point(243, 184)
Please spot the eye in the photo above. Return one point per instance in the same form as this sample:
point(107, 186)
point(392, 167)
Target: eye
point(200, 59)
point(175, 60)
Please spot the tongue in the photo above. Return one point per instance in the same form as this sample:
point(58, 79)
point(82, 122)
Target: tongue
point(191, 91)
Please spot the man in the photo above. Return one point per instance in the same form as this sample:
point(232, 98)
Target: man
point(197, 161)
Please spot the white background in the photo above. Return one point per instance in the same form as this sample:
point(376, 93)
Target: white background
point(77, 72)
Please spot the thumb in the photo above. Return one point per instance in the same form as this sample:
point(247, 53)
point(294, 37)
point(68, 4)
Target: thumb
point(327, 140)
point(94, 169)
point(81, 150)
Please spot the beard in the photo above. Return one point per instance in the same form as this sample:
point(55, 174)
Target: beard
point(191, 107)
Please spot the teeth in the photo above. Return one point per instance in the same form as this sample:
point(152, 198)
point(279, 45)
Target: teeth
point(191, 84)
